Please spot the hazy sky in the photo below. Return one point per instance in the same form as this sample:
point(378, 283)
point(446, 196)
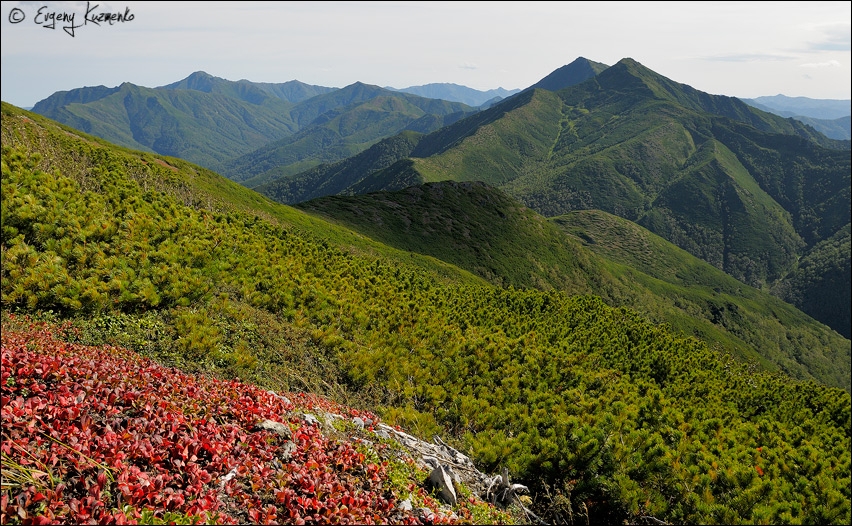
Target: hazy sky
point(743, 49)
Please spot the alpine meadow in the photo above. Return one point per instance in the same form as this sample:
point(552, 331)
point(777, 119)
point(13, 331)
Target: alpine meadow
point(606, 298)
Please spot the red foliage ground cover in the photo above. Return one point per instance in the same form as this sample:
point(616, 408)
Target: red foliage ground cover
point(101, 435)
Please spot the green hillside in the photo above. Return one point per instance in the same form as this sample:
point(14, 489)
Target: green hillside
point(821, 283)
point(250, 132)
point(474, 227)
point(204, 128)
point(338, 125)
point(747, 191)
point(480, 229)
point(333, 178)
point(604, 415)
point(680, 288)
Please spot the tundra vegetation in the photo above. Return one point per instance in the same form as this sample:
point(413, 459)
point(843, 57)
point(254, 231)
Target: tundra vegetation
point(603, 414)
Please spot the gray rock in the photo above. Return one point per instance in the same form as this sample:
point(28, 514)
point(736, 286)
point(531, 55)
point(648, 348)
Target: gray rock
point(276, 427)
point(224, 480)
point(442, 480)
point(362, 441)
point(287, 450)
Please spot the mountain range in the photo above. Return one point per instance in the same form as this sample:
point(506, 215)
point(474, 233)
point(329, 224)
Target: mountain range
point(754, 194)
point(761, 197)
point(215, 122)
point(458, 93)
point(828, 116)
point(802, 106)
point(220, 123)
point(614, 376)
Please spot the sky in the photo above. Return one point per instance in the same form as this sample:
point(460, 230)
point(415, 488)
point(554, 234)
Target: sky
point(741, 49)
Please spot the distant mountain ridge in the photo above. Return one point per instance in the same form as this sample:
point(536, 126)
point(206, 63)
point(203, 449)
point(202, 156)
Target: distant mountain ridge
point(339, 124)
point(291, 91)
point(785, 106)
point(213, 121)
point(840, 129)
point(458, 93)
point(831, 117)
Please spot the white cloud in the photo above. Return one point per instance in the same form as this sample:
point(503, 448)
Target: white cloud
point(828, 64)
point(748, 57)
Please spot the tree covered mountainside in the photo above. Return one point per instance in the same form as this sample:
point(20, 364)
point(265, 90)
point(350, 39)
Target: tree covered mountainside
point(248, 131)
point(205, 127)
point(747, 191)
point(338, 125)
point(607, 416)
point(480, 229)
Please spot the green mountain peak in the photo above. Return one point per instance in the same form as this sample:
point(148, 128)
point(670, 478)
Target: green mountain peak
point(581, 69)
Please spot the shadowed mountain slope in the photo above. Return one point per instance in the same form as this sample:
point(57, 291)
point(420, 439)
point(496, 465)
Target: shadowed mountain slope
point(576, 72)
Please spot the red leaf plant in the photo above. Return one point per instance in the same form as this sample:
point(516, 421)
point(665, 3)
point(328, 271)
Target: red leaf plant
point(102, 435)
